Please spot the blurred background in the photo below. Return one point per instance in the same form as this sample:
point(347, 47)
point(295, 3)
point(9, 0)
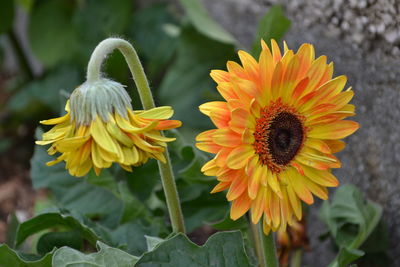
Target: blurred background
point(45, 46)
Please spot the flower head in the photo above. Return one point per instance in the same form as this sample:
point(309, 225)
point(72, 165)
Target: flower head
point(277, 131)
point(101, 128)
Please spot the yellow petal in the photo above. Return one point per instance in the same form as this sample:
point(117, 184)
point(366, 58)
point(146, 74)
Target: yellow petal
point(239, 156)
point(158, 113)
point(103, 138)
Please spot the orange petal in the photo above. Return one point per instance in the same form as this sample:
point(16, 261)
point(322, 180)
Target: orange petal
point(209, 147)
point(294, 202)
point(206, 108)
point(316, 189)
point(205, 136)
point(239, 120)
point(226, 137)
point(306, 56)
point(324, 178)
point(220, 187)
point(318, 144)
point(276, 52)
point(257, 206)
point(255, 178)
point(336, 130)
point(220, 76)
point(239, 156)
point(167, 125)
point(226, 90)
point(240, 206)
point(238, 186)
point(335, 145)
point(296, 180)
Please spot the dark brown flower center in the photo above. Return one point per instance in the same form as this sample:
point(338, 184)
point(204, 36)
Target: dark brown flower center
point(279, 135)
point(285, 137)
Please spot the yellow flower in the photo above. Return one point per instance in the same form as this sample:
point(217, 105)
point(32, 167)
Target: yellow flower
point(101, 128)
point(277, 130)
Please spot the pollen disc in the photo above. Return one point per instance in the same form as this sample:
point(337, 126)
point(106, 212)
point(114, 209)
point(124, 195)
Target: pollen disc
point(285, 137)
point(279, 135)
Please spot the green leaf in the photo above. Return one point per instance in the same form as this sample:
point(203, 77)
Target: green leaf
point(221, 249)
point(228, 224)
point(9, 257)
point(203, 22)
point(154, 31)
point(346, 256)
point(152, 242)
point(73, 193)
point(273, 25)
point(189, 77)
point(12, 228)
point(95, 21)
point(106, 257)
point(131, 236)
point(51, 220)
point(49, 241)
point(47, 91)
point(350, 220)
point(204, 209)
point(52, 36)
point(6, 15)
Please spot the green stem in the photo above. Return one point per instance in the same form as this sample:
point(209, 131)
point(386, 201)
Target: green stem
point(258, 244)
point(296, 258)
point(268, 247)
point(94, 73)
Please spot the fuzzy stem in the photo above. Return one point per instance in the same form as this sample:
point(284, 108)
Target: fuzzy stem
point(94, 73)
point(268, 247)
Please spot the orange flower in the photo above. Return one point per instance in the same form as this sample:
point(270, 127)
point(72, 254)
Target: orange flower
point(277, 130)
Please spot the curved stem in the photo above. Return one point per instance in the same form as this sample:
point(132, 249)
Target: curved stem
point(268, 244)
point(94, 73)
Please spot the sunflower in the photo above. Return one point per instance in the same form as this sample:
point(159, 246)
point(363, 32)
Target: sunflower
point(277, 131)
point(101, 128)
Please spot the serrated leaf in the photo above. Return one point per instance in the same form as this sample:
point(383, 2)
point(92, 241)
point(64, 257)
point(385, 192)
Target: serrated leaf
point(152, 242)
point(6, 15)
point(9, 257)
point(221, 249)
point(106, 257)
point(131, 236)
point(52, 36)
point(203, 22)
point(51, 220)
point(273, 25)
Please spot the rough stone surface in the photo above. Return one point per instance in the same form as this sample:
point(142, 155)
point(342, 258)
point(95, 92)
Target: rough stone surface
point(362, 38)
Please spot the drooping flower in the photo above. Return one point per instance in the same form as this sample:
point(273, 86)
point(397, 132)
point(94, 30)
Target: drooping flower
point(101, 128)
point(277, 131)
